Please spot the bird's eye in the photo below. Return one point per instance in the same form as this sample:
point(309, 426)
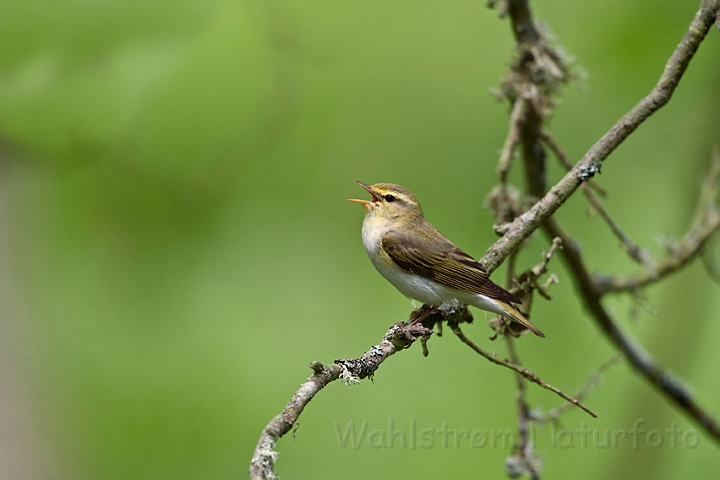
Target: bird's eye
point(390, 198)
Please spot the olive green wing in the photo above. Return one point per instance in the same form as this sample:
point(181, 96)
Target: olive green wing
point(443, 262)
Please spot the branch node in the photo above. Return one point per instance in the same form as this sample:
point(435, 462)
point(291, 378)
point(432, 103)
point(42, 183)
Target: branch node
point(316, 366)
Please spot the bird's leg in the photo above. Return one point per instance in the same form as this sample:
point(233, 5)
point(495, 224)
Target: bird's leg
point(429, 310)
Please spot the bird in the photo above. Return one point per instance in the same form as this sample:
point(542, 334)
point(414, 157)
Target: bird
point(421, 262)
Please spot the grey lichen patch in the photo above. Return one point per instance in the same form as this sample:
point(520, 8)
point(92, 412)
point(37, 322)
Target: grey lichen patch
point(348, 378)
point(264, 458)
point(586, 172)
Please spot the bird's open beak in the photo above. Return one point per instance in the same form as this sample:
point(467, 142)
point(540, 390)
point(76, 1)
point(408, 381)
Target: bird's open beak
point(365, 203)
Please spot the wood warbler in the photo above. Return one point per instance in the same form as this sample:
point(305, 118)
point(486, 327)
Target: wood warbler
point(421, 262)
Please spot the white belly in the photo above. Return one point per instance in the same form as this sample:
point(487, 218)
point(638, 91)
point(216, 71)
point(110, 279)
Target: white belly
point(412, 285)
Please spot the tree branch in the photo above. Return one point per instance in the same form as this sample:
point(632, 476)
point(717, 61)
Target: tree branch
point(522, 371)
point(399, 337)
point(635, 252)
point(517, 115)
point(563, 159)
point(546, 69)
point(523, 459)
point(637, 356)
point(590, 164)
point(589, 386)
point(584, 170)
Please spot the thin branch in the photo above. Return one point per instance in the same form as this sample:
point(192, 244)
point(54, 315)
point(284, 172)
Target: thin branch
point(525, 284)
point(636, 253)
point(589, 386)
point(685, 250)
point(522, 371)
point(534, 273)
point(517, 114)
point(637, 356)
point(524, 454)
point(707, 222)
point(504, 200)
point(590, 164)
point(523, 458)
point(399, 337)
point(265, 456)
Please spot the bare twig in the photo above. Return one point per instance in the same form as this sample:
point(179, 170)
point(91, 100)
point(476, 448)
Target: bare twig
point(707, 222)
point(523, 460)
point(637, 356)
point(399, 337)
point(587, 388)
point(524, 454)
point(534, 273)
point(525, 284)
point(636, 253)
point(590, 164)
point(517, 115)
point(522, 371)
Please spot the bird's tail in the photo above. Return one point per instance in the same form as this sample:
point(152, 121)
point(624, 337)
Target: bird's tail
point(513, 314)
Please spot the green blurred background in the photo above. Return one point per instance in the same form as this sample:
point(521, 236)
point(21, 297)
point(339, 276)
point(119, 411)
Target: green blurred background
point(176, 247)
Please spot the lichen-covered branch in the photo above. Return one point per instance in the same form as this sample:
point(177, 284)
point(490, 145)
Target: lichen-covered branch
point(537, 72)
point(264, 457)
point(523, 226)
point(517, 115)
point(399, 337)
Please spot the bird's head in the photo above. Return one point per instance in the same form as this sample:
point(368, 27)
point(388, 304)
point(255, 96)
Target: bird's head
point(389, 201)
